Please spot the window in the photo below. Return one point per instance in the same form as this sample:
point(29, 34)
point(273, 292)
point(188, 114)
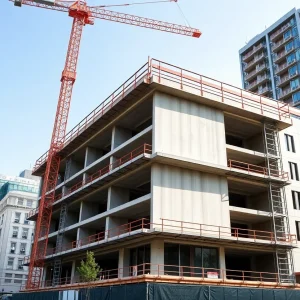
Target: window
point(25, 220)
point(294, 171)
point(296, 199)
point(20, 201)
point(289, 46)
point(138, 257)
point(295, 32)
point(295, 83)
point(298, 230)
point(296, 97)
point(15, 232)
point(7, 277)
point(293, 70)
point(10, 263)
point(23, 248)
point(17, 217)
point(19, 276)
point(185, 260)
point(2, 219)
point(29, 203)
point(13, 247)
point(291, 58)
point(292, 21)
point(25, 233)
point(20, 264)
point(289, 140)
point(287, 34)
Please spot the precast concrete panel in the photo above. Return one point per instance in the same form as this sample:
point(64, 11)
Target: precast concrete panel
point(188, 129)
point(189, 196)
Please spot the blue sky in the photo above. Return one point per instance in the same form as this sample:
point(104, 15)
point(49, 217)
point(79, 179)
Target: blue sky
point(33, 48)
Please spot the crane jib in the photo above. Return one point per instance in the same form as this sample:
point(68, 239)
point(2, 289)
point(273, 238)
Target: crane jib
point(45, 2)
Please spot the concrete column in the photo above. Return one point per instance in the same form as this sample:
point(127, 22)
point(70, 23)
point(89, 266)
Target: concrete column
point(222, 262)
point(87, 210)
point(44, 275)
point(119, 136)
point(72, 167)
point(91, 155)
point(113, 226)
point(80, 211)
point(157, 257)
point(73, 271)
point(65, 190)
point(121, 263)
point(41, 186)
point(85, 177)
point(117, 196)
point(82, 233)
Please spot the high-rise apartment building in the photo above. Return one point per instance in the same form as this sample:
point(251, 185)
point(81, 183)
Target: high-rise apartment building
point(176, 178)
point(270, 62)
point(18, 197)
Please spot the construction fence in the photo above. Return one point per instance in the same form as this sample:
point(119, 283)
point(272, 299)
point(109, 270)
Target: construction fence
point(162, 291)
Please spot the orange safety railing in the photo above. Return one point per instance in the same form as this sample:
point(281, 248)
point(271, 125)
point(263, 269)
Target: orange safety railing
point(143, 149)
point(234, 164)
point(168, 273)
point(100, 110)
point(186, 79)
point(178, 227)
point(227, 93)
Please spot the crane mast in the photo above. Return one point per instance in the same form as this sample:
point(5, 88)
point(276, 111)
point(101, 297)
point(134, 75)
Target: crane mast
point(82, 15)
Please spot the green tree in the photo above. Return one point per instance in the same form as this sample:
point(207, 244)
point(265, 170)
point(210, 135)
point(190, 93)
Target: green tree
point(89, 270)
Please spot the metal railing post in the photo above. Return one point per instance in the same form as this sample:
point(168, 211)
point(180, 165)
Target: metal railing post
point(201, 86)
point(222, 92)
point(159, 71)
point(181, 84)
point(242, 99)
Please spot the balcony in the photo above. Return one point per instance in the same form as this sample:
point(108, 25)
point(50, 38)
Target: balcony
point(129, 161)
point(261, 80)
point(255, 72)
point(250, 54)
point(170, 228)
point(264, 91)
point(256, 171)
point(285, 79)
point(254, 61)
point(279, 57)
point(279, 45)
point(283, 68)
point(276, 34)
point(288, 92)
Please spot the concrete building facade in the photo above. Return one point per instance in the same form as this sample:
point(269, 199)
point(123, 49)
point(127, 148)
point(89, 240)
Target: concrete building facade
point(19, 197)
point(270, 61)
point(175, 175)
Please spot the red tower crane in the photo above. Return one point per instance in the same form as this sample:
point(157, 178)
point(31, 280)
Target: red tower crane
point(82, 15)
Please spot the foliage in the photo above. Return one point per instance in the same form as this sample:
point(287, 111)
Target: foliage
point(89, 269)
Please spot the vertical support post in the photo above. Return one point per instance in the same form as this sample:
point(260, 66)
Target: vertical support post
point(159, 72)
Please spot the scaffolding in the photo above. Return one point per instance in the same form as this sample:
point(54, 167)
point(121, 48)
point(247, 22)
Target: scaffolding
point(277, 202)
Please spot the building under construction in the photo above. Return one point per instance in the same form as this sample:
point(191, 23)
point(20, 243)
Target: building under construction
point(177, 178)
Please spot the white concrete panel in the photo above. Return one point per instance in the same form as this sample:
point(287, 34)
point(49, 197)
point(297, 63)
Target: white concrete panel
point(189, 196)
point(188, 129)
